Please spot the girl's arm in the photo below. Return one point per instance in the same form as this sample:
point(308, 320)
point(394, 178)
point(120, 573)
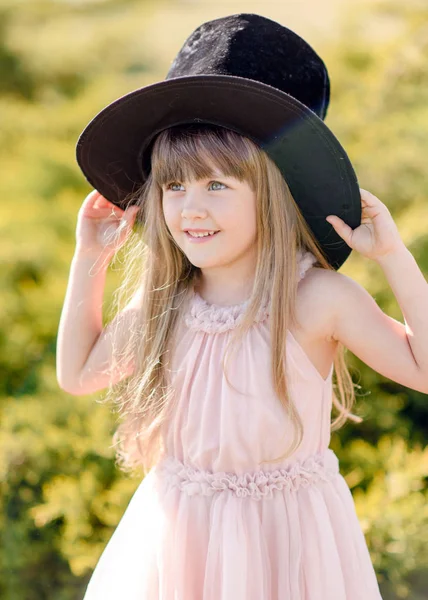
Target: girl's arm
point(411, 291)
point(396, 350)
point(84, 348)
point(81, 318)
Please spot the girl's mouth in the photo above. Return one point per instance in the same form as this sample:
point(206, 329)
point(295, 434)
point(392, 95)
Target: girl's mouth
point(200, 240)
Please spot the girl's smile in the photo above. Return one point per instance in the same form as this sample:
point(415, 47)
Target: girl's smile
point(200, 238)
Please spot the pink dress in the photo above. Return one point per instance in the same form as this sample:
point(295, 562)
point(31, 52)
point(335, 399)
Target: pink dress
point(209, 523)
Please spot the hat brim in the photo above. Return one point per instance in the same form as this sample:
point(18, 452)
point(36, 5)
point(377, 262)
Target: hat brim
point(113, 151)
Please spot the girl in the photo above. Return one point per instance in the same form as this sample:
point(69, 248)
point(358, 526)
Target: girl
point(242, 498)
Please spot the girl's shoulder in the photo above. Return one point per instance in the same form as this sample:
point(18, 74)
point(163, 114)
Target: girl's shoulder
point(316, 299)
point(315, 310)
point(321, 295)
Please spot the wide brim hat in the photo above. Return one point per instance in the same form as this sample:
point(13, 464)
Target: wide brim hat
point(253, 76)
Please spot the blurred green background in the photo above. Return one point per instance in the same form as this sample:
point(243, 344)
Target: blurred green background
point(61, 62)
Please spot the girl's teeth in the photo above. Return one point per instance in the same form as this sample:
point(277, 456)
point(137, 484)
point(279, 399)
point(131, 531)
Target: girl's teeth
point(200, 234)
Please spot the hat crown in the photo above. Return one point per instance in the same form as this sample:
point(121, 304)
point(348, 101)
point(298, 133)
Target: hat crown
point(257, 48)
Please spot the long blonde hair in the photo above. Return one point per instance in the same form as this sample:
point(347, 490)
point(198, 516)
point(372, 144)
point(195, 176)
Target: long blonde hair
point(157, 267)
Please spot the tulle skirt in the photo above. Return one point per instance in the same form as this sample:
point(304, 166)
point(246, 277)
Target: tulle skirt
point(189, 534)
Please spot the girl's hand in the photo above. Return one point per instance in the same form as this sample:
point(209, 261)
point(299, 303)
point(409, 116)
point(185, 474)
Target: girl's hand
point(377, 235)
point(102, 227)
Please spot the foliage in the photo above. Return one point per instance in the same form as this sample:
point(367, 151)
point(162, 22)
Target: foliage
point(61, 496)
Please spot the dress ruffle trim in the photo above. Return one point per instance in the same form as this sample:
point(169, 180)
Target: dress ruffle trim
point(306, 261)
point(256, 485)
point(212, 318)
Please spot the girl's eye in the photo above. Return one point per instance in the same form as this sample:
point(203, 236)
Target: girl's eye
point(218, 183)
point(169, 186)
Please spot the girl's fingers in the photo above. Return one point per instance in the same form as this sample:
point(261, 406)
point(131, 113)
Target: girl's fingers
point(130, 213)
point(368, 198)
point(99, 204)
point(98, 207)
point(97, 200)
point(341, 228)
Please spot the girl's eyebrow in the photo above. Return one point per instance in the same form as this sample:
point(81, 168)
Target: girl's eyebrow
point(216, 175)
point(211, 177)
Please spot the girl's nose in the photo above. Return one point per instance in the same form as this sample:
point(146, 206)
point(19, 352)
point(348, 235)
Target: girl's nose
point(193, 202)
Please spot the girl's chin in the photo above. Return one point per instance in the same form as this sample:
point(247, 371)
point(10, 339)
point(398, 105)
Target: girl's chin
point(208, 263)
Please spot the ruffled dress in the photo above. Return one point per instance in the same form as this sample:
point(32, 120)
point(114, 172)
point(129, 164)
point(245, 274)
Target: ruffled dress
point(208, 522)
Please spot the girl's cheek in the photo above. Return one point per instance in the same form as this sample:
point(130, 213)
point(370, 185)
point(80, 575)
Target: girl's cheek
point(169, 215)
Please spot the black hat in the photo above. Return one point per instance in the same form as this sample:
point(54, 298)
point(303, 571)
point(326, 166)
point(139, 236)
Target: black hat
point(254, 76)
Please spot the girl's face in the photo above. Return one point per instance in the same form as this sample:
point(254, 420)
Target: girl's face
point(222, 204)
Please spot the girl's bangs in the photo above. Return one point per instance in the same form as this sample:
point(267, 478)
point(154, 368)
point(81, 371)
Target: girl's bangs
point(195, 152)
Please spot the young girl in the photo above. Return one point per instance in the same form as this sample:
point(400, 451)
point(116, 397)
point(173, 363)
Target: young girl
point(242, 497)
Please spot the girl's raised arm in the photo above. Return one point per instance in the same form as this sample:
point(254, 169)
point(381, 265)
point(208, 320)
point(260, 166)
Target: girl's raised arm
point(80, 328)
point(396, 350)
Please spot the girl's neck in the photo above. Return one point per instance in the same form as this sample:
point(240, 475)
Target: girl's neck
point(222, 296)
